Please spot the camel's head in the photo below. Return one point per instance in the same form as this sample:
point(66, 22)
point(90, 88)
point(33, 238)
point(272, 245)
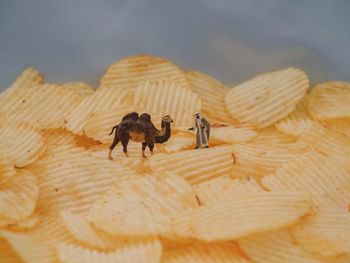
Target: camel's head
point(167, 119)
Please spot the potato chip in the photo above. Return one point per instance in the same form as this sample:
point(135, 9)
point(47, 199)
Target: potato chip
point(99, 125)
point(296, 122)
point(168, 98)
point(233, 134)
point(270, 136)
point(38, 245)
point(341, 126)
point(330, 100)
point(21, 143)
point(7, 169)
point(250, 214)
point(267, 98)
point(7, 254)
point(18, 196)
point(258, 161)
point(71, 180)
point(212, 94)
point(275, 247)
point(80, 87)
point(323, 177)
point(224, 188)
point(103, 99)
point(177, 143)
point(58, 137)
point(23, 224)
point(325, 234)
point(143, 206)
point(222, 252)
point(130, 71)
point(196, 166)
point(147, 252)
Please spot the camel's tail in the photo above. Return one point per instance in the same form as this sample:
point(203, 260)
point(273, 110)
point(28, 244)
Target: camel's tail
point(114, 128)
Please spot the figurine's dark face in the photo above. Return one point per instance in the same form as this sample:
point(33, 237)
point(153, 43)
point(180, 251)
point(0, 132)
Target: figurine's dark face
point(197, 116)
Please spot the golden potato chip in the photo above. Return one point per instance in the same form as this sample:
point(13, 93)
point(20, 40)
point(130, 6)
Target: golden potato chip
point(270, 136)
point(275, 247)
point(221, 252)
point(330, 100)
point(325, 234)
point(21, 143)
point(233, 134)
point(128, 72)
point(23, 224)
point(103, 99)
point(7, 168)
point(341, 126)
point(168, 98)
point(80, 87)
point(71, 180)
point(296, 122)
point(38, 245)
point(177, 143)
point(143, 205)
point(224, 188)
point(250, 214)
point(267, 98)
point(147, 252)
point(196, 166)
point(99, 125)
point(18, 196)
point(260, 160)
point(212, 93)
point(58, 137)
point(324, 178)
point(7, 254)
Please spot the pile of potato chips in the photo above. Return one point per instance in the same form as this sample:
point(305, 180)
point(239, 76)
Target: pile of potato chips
point(274, 186)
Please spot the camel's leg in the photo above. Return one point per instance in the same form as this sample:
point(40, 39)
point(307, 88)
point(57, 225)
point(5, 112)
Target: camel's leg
point(111, 148)
point(151, 146)
point(125, 141)
point(144, 145)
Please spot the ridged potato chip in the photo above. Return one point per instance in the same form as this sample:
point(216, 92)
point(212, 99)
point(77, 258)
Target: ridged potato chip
point(168, 98)
point(21, 143)
point(275, 247)
point(56, 137)
point(330, 100)
point(297, 121)
point(143, 206)
point(19, 225)
point(212, 94)
point(250, 214)
point(221, 252)
point(324, 178)
point(177, 143)
point(341, 126)
point(80, 87)
point(233, 134)
point(270, 136)
point(267, 98)
point(147, 252)
point(196, 165)
point(7, 254)
point(7, 168)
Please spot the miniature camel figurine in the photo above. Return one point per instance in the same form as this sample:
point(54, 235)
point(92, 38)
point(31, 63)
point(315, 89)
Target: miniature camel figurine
point(140, 129)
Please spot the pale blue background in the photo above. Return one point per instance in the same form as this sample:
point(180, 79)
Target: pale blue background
point(232, 40)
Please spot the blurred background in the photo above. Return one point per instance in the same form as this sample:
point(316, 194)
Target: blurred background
point(232, 40)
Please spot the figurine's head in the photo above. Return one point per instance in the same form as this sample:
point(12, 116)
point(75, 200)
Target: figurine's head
point(197, 115)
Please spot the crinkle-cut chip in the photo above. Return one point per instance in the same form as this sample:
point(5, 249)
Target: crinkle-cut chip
point(21, 143)
point(177, 143)
point(7, 254)
point(324, 178)
point(58, 137)
point(212, 93)
point(7, 168)
point(18, 196)
point(146, 252)
point(224, 188)
point(330, 100)
point(258, 161)
point(99, 125)
point(80, 87)
point(233, 134)
point(143, 205)
point(267, 98)
point(132, 70)
point(341, 126)
point(85, 142)
point(325, 234)
point(327, 142)
point(45, 106)
point(297, 121)
point(271, 136)
point(102, 99)
point(168, 98)
point(340, 259)
point(82, 230)
point(221, 252)
point(38, 245)
point(275, 247)
point(26, 79)
point(70, 179)
point(250, 214)
point(196, 166)
point(24, 224)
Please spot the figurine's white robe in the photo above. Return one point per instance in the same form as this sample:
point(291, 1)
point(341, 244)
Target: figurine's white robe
point(202, 127)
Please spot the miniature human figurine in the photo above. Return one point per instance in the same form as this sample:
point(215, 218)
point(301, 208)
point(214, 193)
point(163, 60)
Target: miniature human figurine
point(202, 127)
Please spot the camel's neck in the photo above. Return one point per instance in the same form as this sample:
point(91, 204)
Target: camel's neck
point(166, 129)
